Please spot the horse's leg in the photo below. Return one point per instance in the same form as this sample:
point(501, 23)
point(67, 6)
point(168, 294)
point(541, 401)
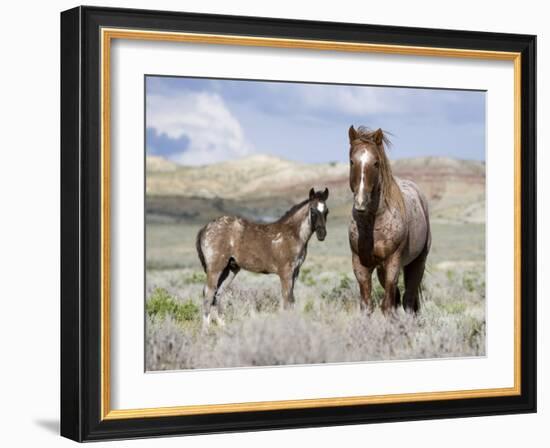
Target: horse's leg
point(287, 287)
point(209, 295)
point(413, 277)
point(224, 283)
point(364, 278)
point(391, 268)
point(216, 273)
point(224, 280)
point(382, 279)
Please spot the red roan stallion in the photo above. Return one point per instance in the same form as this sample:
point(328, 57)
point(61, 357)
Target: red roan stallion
point(390, 227)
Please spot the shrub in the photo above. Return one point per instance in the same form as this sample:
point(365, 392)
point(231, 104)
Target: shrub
point(474, 282)
point(309, 306)
point(195, 278)
point(306, 277)
point(342, 287)
point(161, 304)
point(454, 307)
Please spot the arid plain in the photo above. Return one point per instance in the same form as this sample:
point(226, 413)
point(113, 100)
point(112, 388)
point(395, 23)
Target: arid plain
point(326, 324)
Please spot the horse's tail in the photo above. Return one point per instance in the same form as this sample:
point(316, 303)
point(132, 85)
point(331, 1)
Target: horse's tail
point(425, 250)
point(198, 244)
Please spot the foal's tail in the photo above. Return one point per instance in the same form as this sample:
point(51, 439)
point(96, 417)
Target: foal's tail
point(198, 244)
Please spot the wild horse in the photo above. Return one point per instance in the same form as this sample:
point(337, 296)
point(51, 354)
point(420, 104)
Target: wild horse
point(230, 243)
point(390, 227)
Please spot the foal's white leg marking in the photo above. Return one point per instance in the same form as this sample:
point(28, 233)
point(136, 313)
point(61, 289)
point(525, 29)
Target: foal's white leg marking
point(217, 317)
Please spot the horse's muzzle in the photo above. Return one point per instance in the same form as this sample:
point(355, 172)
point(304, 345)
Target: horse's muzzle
point(361, 204)
point(361, 208)
point(321, 234)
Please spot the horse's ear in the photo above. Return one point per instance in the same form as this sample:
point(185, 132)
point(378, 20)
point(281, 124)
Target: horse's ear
point(378, 136)
point(324, 196)
point(311, 194)
point(352, 134)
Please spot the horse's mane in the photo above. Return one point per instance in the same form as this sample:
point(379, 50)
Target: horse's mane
point(292, 210)
point(391, 192)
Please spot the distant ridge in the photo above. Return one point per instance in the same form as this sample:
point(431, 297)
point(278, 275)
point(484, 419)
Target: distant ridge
point(455, 188)
point(447, 165)
point(256, 175)
point(156, 164)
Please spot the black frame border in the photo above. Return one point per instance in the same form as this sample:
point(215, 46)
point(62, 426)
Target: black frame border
point(81, 223)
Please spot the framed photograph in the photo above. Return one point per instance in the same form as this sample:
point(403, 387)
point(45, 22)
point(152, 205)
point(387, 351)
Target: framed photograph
point(274, 223)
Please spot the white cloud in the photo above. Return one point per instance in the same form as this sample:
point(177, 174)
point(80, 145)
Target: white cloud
point(213, 132)
point(350, 100)
point(341, 99)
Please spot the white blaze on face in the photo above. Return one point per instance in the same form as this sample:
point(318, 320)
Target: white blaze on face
point(363, 160)
point(321, 207)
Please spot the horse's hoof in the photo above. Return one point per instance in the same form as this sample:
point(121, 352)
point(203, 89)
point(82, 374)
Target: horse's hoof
point(388, 311)
point(368, 309)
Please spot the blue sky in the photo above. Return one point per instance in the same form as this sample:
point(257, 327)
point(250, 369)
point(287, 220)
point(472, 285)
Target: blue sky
point(200, 121)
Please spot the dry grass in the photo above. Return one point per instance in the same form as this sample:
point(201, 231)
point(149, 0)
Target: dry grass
point(325, 325)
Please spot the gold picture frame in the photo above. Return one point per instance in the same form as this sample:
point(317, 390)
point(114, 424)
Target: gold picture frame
point(106, 32)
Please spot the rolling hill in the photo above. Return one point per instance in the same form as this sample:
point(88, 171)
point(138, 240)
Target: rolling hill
point(263, 186)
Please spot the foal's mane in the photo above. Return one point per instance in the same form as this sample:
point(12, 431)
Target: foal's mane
point(292, 210)
point(390, 190)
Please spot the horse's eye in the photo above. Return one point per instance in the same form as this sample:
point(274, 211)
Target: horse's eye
point(376, 164)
